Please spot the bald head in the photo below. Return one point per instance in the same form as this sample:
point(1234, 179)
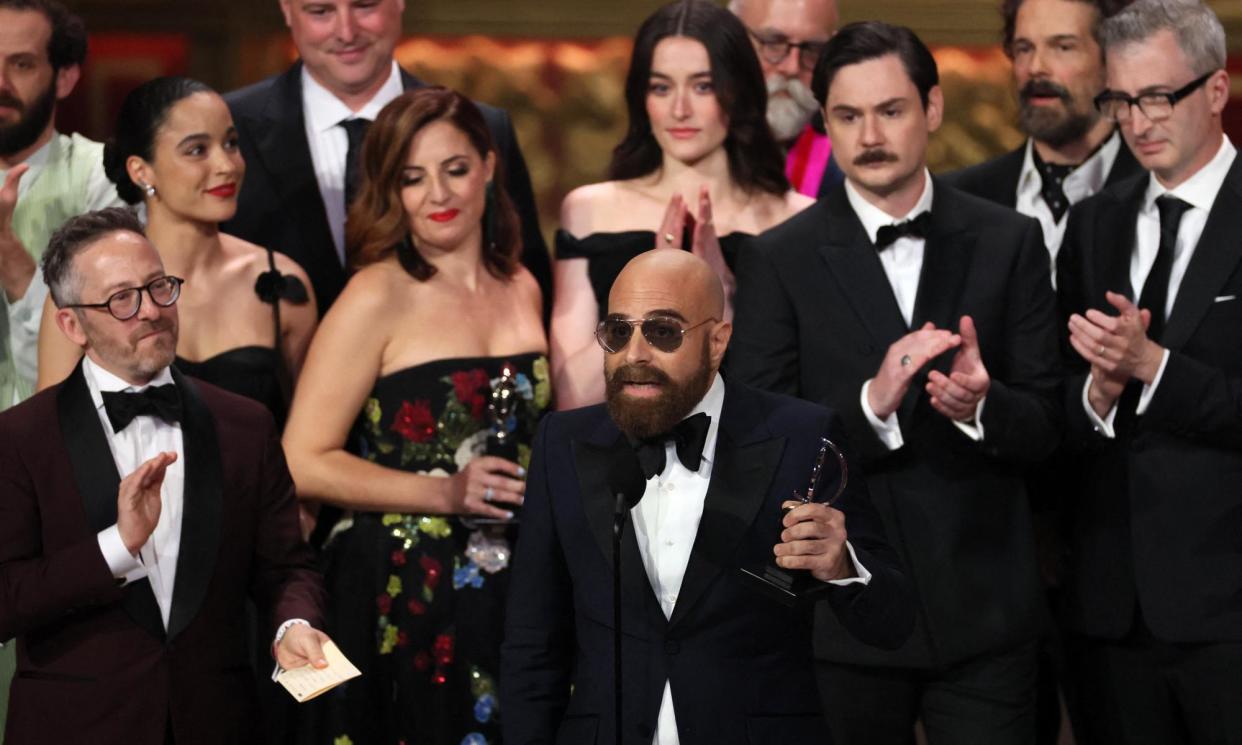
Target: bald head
point(820, 15)
point(669, 279)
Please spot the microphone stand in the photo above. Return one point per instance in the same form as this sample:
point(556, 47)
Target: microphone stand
point(618, 524)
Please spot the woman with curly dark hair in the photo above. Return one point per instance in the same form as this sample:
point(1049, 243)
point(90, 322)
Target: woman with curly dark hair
point(434, 357)
point(698, 145)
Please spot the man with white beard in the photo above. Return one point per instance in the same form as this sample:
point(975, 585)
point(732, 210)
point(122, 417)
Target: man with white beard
point(788, 36)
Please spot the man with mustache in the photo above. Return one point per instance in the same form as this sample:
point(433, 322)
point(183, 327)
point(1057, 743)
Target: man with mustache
point(139, 509)
point(706, 658)
point(301, 134)
point(46, 178)
point(788, 36)
point(1071, 151)
point(925, 317)
point(1151, 276)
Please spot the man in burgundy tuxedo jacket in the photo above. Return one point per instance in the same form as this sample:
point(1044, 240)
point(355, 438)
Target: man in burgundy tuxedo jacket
point(138, 510)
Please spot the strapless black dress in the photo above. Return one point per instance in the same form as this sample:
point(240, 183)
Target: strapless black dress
point(417, 600)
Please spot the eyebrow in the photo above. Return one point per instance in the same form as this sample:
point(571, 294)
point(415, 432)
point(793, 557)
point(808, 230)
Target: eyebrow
point(664, 313)
point(883, 104)
point(445, 162)
point(693, 76)
point(196, 137)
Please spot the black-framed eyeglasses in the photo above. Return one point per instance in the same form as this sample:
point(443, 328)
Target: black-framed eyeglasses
point(124, 304)
point(1156, 107)
point(661, 332)
point(774, 51)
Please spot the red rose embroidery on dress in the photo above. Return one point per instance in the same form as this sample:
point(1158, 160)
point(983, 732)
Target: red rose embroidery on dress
point(414, 421)
point(469, 386)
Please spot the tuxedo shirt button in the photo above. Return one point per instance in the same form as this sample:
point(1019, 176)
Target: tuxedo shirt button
point(672, 646)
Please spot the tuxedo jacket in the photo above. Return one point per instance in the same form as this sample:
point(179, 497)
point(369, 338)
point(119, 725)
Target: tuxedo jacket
point(94, 661)
point(1159, 516)
point(996, 180)
point(814, 316)
point(739, 663)
point(280, 206)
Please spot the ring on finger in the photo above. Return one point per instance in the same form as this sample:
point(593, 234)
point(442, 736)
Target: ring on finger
point(669, 238)
point(488, 493)
point(1100, 352)
point(905, 360)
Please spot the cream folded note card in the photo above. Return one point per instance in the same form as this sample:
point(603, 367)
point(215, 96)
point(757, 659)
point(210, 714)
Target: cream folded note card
point(306, 682)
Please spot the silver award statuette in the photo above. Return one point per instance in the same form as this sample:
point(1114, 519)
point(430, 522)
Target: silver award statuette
point(501, 412)
point(793, 586)
point(502, 406)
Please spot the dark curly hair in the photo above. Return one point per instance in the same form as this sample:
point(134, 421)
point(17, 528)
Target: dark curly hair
point(142, 114)
point(377, 224)
point(1009, 18)
point(67, 46)
point(756, 162)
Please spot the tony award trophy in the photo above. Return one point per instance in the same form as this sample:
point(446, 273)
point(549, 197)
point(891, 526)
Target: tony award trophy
point(502, 413)
point(793, 586)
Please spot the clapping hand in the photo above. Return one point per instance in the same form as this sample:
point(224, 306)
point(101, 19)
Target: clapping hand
point(957, 395)
point(138, 501)
point(16, 265)
point(904, 359)
point(704, 242)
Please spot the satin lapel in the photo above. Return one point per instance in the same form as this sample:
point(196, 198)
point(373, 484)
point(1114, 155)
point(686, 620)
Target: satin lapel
point(1212, 264)
point(592, 460)
point(280, 140)
point(855, 268)
point(94, 471)
point(743, 466)
point(1114, 235)
point(201, 513)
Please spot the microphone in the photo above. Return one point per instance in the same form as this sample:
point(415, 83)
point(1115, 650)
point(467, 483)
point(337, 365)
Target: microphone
point(626, 483)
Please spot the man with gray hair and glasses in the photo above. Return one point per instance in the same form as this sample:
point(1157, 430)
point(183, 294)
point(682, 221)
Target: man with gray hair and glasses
point(1150, 280)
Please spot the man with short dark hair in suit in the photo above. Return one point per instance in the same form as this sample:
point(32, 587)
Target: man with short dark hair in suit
point(301, 132)
point(926, 318)
point(1071, 152)
point(138, 511)
point(1151, 273)
point(706, 658)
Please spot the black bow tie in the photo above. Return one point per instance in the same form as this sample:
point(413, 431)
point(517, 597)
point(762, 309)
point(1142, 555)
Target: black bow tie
point(688, 436)
point(162, 401)
point(915, 227)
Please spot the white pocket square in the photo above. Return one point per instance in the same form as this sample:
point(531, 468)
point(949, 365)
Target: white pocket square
point(1225, 298)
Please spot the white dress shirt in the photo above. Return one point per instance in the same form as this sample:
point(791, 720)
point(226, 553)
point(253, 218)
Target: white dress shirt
point(666, 523)
point(1199, 191)
point(323, 113)
point(903, 263)
point(1083, 181)
point(142, 440)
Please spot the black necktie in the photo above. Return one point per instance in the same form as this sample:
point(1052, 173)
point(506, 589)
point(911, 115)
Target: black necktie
point(1155, 294)
point(688, 436)
point(162, 401)
point(1052, 185)
point(355, 129)
point(915, 227)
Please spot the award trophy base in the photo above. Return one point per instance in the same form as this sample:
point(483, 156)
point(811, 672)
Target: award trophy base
point(788, 587)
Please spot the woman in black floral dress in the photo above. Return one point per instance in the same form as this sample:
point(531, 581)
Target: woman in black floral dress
point(433, 350)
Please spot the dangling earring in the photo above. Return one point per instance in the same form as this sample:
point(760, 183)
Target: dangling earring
point(149, 189)
point(489, 216)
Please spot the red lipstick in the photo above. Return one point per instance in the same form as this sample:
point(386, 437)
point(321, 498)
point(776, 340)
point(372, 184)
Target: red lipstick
point(444, 216)
point(683, 133)
point(224, 191)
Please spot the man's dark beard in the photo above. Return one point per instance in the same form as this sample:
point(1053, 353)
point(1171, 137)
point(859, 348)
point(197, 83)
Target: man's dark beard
point(33, 119)
point(1049, 125)
point(643, 418)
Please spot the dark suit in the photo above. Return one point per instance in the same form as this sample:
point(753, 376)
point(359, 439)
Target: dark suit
point(815, 314)
point(996, 180)
point(95, 663)
point(739, 663)
point(280, 206)
point(1158, 519)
